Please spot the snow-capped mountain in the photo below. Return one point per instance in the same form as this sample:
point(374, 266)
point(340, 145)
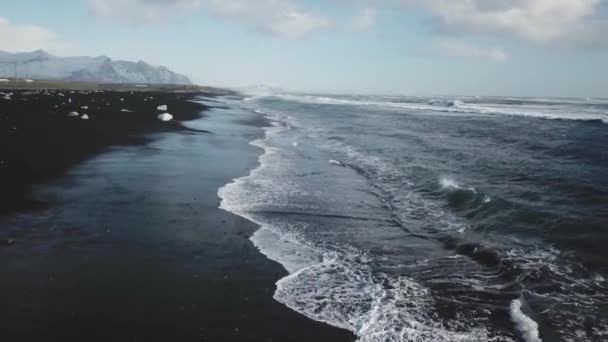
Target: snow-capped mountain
point(42, 65)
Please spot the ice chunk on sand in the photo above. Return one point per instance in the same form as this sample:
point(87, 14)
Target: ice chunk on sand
point(335, 162)
point(163, 107)
point(84, 107)
point(165, 117)
point(28, 81)
point(84, 117)
point(125, 110)
point(3, 79)
point(73, 114)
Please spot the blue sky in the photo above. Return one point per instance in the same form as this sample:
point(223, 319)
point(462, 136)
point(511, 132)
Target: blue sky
point(411, 47)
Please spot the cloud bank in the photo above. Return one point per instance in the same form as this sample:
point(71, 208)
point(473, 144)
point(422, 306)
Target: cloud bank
point(457, 24)
point(27, 37)
point(541, 21)
point(458, 49)
point(276, 17)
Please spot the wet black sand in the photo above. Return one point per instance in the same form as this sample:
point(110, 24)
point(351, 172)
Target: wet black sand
point(39, 140)
point(130, 244)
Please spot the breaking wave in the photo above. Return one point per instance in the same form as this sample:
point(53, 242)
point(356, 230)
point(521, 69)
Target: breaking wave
point(328, 281)
point(563, 111)
point(356, 281)
point(526, 325)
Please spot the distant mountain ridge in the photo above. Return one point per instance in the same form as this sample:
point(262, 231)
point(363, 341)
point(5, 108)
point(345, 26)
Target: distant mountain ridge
point(42, 65)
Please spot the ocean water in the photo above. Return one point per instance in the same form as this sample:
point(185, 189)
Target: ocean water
point(434, 219)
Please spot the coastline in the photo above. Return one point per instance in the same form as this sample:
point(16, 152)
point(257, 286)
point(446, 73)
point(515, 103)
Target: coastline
point(40, 140)
point(133, 246)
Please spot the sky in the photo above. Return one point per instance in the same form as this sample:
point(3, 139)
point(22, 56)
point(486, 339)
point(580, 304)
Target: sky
point(553, 48)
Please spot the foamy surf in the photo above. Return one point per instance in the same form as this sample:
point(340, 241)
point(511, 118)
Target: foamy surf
point(332, 283)
point(525, 325)
point(448, 106)
point(402, 157)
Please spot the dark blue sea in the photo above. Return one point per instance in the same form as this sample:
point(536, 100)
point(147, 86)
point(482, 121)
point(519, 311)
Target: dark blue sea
point(434, 219)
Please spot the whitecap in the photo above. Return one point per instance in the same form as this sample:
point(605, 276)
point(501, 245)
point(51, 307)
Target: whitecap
point(332, 283)
point(524, 324)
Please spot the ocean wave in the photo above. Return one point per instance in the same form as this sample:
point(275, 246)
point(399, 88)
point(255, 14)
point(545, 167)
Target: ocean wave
point(343, 291)
point(518, 268)
point(342, 285)
point(448, 183)
point(526, 325)
point(450, 106)
point(331, 282)
point(460, 197)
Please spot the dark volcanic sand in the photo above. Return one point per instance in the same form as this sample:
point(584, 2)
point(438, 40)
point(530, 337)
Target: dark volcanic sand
point(39, 140)
point(132, 245)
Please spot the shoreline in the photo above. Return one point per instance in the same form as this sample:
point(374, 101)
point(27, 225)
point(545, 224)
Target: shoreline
point(134, 246)
point(38, 135)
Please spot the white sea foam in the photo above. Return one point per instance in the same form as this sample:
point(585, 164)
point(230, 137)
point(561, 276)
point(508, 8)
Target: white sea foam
point(285, 249)
point(563, 112)
point(333, 284)
point(448, 183)
point(343, 291)
point(524, 324)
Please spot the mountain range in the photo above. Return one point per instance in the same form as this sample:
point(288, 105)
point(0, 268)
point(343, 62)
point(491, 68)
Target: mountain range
point(42, 65)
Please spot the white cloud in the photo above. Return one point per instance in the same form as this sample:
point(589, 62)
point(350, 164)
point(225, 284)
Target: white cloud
point(27, 37)
point(458, 49)
point(137, 11)
point(365, 20)
point(277, 17)
point(295, 24)
point(541, 21)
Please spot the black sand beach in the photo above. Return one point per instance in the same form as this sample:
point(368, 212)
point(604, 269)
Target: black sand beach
point(110, 228)
point(40, 140)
